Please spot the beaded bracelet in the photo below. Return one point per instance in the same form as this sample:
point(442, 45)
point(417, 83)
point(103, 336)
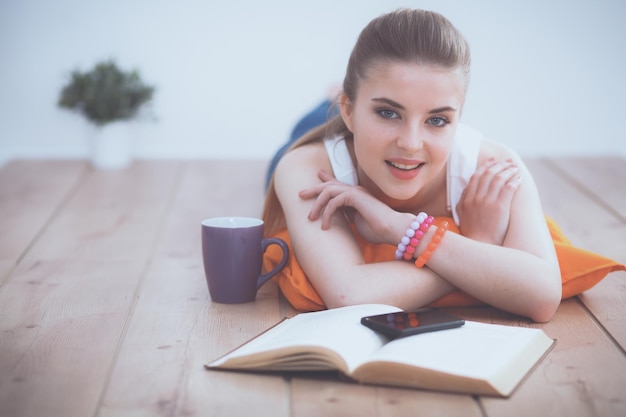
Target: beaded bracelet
point(432, 245)
point(412, 236)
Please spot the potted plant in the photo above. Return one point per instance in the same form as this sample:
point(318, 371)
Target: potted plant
point(107, 97)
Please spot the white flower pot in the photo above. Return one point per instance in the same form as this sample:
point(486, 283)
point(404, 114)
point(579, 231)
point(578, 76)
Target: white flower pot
point(111, 146)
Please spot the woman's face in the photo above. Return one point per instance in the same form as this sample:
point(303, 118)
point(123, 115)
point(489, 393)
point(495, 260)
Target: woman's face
point(404, 119)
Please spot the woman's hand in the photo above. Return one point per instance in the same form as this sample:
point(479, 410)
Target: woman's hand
point(371, 217)
point(485, 206)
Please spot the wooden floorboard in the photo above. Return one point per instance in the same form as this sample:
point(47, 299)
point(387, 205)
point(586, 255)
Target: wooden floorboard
point(601, 179)
point(87, 266)
point(314, 397)
point(175, 329)
point(587, 199)
point(604, 181)
point(61, 323)
point(583, 375)
point(113, 215)
point(31, 194)
point(209, 189)
point(104, 310)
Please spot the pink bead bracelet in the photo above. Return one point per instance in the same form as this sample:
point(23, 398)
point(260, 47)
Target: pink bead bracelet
point(412, 236)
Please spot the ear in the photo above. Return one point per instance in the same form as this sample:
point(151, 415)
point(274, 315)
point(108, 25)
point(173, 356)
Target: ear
point(346, 109)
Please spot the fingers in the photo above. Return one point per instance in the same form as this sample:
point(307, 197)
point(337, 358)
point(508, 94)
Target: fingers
point(322, 196)
point(328, 198)
point(333, 204)
point(509, 188)
point(485, 205)
point(494, 180)
point(493, 176)
point(332, 196)
point(314, 191)
point(324, 176)
point(472, 189)
point(332, 199)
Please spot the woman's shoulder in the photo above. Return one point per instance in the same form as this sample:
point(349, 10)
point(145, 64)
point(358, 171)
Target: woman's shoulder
point(472, 141)
point(302, 164)
point(312, 153)
point(493, 149)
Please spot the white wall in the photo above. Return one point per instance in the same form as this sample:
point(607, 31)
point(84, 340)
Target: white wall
point(233, 77)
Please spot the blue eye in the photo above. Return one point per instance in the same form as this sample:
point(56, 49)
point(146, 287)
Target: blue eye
point(388, 114)
point(438, 121)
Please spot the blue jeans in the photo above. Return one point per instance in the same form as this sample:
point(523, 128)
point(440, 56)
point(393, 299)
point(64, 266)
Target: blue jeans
point(316, 117)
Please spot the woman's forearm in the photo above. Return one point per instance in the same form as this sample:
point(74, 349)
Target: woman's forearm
point(396, 283)
point(506, 278)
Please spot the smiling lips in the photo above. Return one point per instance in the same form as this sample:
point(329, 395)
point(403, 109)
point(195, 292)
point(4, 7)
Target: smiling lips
point(404, 170)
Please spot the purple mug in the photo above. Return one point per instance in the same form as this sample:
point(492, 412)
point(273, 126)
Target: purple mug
point(232, 251)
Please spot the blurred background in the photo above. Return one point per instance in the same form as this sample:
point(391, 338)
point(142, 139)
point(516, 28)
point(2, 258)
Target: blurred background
point(233, 77)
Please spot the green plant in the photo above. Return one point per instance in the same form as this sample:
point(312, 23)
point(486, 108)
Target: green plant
point(105, 93)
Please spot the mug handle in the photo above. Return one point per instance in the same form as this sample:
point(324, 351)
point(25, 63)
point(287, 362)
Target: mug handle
point(263, 278)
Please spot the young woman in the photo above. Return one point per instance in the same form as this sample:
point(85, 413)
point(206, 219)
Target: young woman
point(397, 162)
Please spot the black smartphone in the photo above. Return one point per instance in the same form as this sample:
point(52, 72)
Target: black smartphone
point(403, 323)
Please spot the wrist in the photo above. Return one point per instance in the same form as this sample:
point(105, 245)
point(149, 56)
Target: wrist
point(413, 236)
point(423, 245)
point(420, 240)
point(398, 228)
point(427, 250)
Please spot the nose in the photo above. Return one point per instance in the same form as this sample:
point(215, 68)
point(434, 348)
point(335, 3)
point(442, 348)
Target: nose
point(411, 138)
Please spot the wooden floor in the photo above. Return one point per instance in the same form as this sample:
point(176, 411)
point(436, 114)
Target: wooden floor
point(104, 309)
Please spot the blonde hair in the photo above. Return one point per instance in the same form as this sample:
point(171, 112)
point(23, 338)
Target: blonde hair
point(406, 36)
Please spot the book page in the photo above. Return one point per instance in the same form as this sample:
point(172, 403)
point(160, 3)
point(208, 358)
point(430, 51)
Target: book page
point(338, 329)
point(475, 350)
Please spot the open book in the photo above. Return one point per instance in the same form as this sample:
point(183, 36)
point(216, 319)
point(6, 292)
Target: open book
point(476, 358)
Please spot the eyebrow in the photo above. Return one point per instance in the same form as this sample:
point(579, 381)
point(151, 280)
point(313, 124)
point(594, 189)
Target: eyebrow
point(388, 101)
point(401, 107)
